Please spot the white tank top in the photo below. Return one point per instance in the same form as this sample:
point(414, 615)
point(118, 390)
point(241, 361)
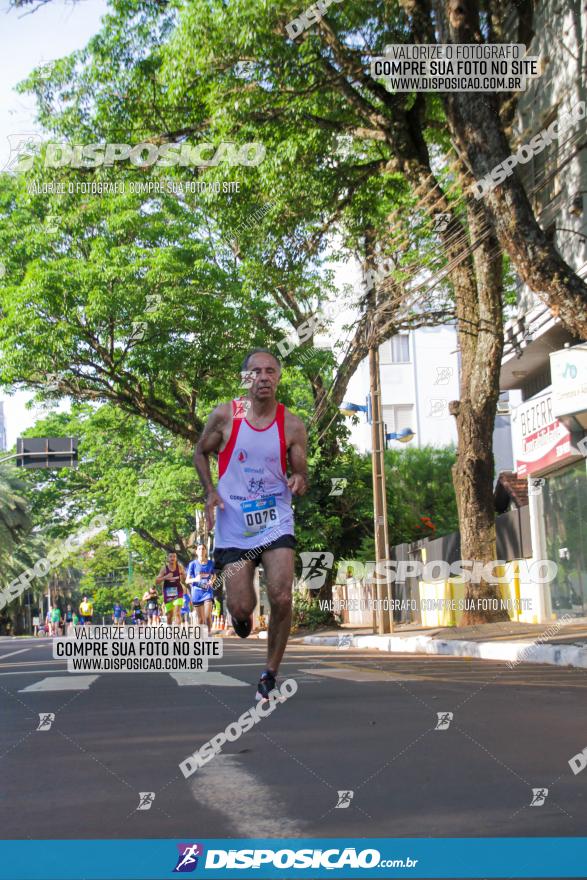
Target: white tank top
point(252, 483)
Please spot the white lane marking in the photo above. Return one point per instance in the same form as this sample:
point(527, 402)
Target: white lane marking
point(225, 785)
point(12, 653)
point(25, 672)
point(295, 663)
point(25, 666)
point(212, 679)
point(364, 675)
point(37, 662)
point(62, 683)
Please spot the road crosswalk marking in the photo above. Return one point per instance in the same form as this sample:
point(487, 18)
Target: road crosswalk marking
point(61, 683)
point(349, 673)
point(12, 653)
point(68, 682)
point(214, 679)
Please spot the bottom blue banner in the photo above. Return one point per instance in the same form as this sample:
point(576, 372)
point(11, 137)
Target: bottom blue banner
point(502, 857)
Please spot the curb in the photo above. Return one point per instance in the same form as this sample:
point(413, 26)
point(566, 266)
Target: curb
point(514, 652)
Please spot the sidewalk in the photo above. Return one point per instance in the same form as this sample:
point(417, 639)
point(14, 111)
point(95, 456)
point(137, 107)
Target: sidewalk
point(512, 642)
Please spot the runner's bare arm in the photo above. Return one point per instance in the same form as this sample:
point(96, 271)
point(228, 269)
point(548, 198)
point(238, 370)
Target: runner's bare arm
point(161, 576)
point(210, 441)
point(296, 434)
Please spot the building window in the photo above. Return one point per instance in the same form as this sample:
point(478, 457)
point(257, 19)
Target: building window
point(395, 350)
point(400, 349)
point(397, 417)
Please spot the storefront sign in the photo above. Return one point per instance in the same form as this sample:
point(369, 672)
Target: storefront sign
point(568, 368)
point(540, 440)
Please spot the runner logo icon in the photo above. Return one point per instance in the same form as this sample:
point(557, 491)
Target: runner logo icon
point(46, 719)
point(187, 860)
point(315, 567)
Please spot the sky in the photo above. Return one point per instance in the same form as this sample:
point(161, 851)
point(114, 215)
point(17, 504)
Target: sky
point(26, 41)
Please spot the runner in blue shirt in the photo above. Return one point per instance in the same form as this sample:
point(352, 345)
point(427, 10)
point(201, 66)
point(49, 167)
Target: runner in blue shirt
point(186, 608)
point(200, 576)
point(117, 614)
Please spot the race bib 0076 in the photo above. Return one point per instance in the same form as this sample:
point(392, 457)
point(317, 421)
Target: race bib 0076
point(259, 515)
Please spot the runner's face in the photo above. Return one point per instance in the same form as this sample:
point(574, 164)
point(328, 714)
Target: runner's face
point(265, 374)
point(172, 559)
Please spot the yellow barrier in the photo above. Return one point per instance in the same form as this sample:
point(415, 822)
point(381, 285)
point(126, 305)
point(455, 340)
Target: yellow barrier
point(440, 600)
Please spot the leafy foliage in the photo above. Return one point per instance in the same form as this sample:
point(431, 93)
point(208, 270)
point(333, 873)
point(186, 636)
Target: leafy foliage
point(306, 612)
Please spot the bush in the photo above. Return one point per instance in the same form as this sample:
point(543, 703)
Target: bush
point(308, 614)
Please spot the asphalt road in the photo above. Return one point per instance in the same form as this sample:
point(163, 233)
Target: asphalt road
point(360, 722)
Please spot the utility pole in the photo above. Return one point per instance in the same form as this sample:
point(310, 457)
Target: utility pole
point(382, 619)
point(28, 594)
point(130, 569)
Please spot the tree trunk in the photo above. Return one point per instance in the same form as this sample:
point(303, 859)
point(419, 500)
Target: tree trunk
point(477, 127)
point(477, 282)
point(481, 342)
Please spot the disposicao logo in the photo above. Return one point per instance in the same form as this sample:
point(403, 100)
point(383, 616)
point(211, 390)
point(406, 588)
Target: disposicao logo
point(292, 858)
point(187, 859)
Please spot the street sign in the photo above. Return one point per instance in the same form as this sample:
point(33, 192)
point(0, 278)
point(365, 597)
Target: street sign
point(541, 441)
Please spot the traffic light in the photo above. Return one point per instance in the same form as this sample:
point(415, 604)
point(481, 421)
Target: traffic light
point(46, 452)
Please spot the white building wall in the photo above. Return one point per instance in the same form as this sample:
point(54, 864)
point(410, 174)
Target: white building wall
point(436, 374)
point(414, 394)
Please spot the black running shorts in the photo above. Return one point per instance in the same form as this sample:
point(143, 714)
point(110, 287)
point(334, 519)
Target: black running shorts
point(226, 555)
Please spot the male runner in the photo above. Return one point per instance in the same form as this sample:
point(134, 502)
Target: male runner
point(68, 620)
point(86, 610)
point(117, 614)
point(200, 576)
point(254, 438)
point(55, 621)
point(137, 612)
point(172, 576)
point(186, 609)
point(151, 597)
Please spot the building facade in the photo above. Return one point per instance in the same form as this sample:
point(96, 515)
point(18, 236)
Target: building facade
point(545, 362)
point(419, 376)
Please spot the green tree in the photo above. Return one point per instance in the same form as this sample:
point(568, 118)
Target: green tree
point(376, 167)
point(15, 520)
point(367, 157)
point(420, 501)
point(139, 475)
